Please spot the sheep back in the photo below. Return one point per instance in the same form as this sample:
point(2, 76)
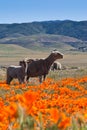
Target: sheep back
point(37, 68)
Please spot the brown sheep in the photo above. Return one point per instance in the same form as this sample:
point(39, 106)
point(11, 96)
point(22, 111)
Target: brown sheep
point(41, 67)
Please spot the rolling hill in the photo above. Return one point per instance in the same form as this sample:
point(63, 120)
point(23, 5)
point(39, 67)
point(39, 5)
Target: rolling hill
point(66, 35)
point(12, 54)
point(66, 27)
point(46, 41)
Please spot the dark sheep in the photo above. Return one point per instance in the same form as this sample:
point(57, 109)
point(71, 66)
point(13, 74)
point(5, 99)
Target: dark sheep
point(28, 61)
point(16, 72)
point(41, 67)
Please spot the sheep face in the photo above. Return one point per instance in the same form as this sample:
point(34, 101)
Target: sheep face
point(57, 55)
point(23, 64)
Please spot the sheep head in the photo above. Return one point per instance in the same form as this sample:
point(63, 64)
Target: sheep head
point(56, 54)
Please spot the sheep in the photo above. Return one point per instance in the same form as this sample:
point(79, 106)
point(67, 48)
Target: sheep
point(28, 61)
point(41, 67)
point(16, 72)
point(56, 66)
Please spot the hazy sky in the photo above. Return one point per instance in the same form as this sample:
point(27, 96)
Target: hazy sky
point(20, 11)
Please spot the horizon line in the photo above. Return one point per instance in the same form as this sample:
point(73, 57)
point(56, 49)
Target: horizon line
point(42, 21)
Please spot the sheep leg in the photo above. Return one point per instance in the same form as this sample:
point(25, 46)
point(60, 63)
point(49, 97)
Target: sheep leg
point(40, 79)
point(27, 78)
point(21, 79)
point(44, 76)
point(9, 79)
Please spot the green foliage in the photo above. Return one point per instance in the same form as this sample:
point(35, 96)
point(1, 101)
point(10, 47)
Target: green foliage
point(25, 121)
point(53, 127)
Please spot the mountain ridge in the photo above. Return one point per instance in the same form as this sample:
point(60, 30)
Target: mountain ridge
point(77, 29)
point(28, 35)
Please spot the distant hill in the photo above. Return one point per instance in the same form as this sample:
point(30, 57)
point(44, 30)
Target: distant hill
point(67, 28)
point(46, 34)
point(47, 41)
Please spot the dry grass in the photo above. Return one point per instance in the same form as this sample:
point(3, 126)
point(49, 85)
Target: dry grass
point(75, 63)
point(69, 71)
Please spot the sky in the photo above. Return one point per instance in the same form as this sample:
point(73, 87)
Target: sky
point(25, 11)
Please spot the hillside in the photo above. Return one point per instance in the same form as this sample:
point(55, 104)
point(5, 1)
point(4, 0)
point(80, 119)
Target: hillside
point(71, 35)
point(66, 27)
point(46, 41)
point(13, 53)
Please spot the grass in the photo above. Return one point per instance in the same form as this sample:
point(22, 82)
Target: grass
point(11, 54)
point(74, 72)
point(70, 72)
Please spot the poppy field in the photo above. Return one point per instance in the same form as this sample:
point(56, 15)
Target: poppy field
point(51, 105)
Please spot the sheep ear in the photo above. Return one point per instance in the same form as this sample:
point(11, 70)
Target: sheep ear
point(54, 51)
point(26, 59)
